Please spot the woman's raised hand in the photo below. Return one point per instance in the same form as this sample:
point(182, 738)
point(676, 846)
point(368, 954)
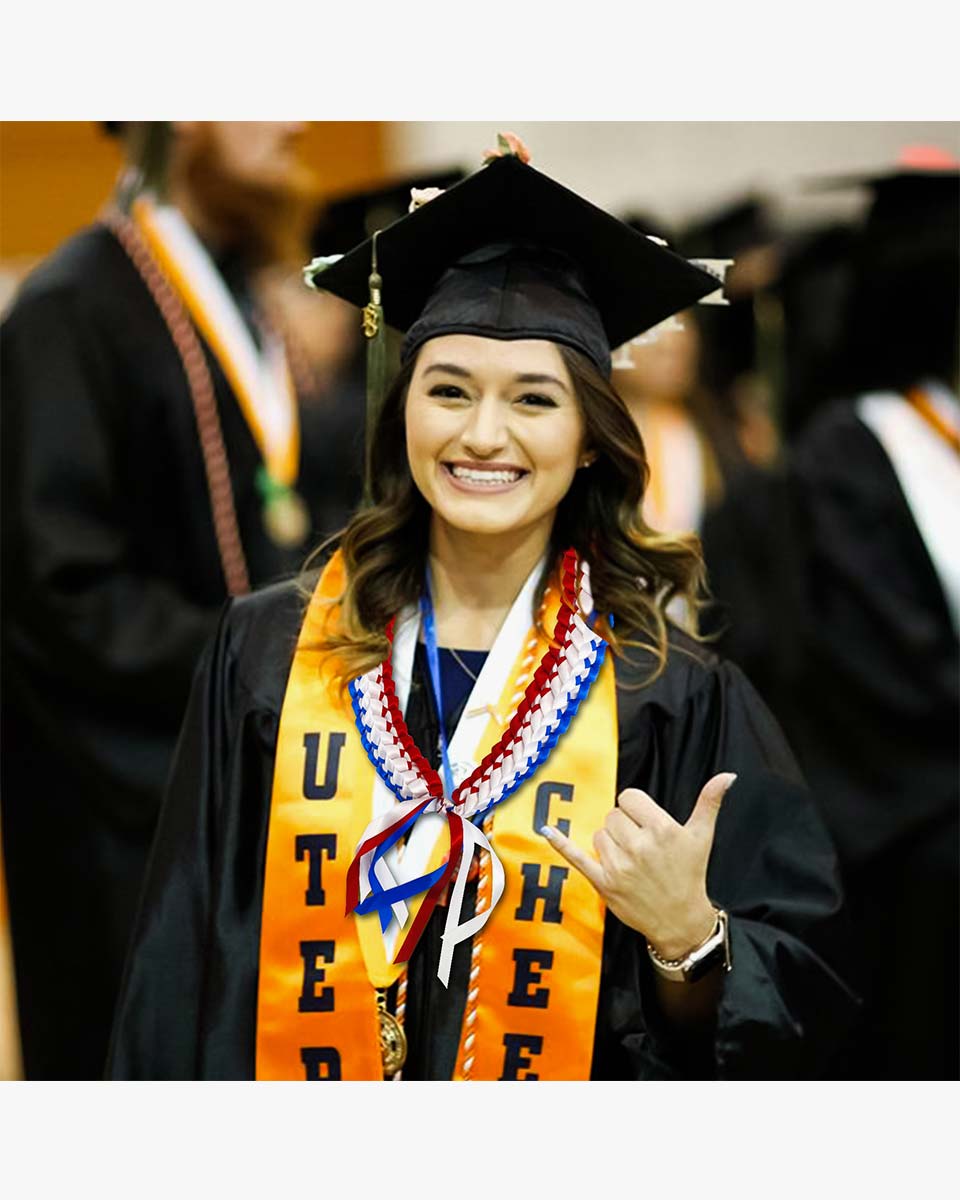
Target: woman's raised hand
point(650, 870)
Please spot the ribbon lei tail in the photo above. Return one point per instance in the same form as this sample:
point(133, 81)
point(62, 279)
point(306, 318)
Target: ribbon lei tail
point(455, 931)
point(386, 883)
point(376, 833)
point(430, 900)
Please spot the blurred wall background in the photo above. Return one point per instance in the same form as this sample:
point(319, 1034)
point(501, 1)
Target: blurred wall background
point(55, 175)
point(678, 169)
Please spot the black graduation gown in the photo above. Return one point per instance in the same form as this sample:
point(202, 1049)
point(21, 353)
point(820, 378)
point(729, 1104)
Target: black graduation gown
point(111, 586)
point(836, 611)
point(188, 1003)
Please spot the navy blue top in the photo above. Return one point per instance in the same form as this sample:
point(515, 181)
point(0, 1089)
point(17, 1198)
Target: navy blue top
point(457, 684)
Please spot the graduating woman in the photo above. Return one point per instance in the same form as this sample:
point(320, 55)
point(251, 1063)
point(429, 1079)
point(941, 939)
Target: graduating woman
point(467, 813)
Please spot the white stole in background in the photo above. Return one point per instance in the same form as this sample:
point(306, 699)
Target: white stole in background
point(929, 473)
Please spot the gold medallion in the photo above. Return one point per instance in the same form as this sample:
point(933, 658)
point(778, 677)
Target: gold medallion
point(393, 1041)
point(286, 518)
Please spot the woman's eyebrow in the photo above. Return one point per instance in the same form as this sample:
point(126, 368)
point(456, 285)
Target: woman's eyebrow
point(449, 369)
point(536, 378)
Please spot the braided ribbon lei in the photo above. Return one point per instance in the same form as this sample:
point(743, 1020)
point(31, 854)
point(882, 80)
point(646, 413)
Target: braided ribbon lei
point(559, 685)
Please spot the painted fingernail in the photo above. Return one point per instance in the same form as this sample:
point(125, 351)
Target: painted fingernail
point(731, 780)
point(547, 832)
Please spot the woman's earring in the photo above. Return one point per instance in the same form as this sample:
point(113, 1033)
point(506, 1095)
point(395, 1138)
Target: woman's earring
point(587, 461)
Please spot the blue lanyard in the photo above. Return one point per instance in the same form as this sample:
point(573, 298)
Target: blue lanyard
point(433, 662)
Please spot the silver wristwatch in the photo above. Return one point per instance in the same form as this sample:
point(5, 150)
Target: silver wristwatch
point(701, 959)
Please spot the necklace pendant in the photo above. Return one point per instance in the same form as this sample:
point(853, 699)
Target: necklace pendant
point(461, 771)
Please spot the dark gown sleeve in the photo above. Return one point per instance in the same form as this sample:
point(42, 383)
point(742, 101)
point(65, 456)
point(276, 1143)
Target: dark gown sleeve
point(786, 1004)
point(81, 609)
point(187, 1007)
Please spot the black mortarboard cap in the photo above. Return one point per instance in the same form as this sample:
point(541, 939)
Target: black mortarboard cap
point(509, 253)
point(649, 225)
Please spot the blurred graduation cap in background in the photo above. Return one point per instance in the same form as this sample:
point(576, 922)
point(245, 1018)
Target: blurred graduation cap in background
point(873, 304)
point(913, 164)
point(727, 231)
point(350, 219)
point(901, 318)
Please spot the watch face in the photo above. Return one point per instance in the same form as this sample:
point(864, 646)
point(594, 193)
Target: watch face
point(714, 957)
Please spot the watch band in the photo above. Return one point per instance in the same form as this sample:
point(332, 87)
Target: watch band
point(701, 959)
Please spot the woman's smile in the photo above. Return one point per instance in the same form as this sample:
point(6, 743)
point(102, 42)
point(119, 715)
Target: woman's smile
point(483, 477)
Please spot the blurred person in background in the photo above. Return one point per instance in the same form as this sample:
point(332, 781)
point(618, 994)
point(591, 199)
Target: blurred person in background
point(852, 596)
point(153, 464)
point(799, 299)
point(657, 376)
point(737, 339)
point(691, 386)
point(812, 292)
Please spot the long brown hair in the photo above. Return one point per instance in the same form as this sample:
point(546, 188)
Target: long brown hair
point(634, 571)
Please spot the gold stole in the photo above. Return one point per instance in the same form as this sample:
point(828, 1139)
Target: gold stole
point(536, 992)
point(281, 455)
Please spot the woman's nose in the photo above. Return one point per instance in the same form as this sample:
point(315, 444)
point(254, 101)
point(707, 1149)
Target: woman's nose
point(486, 428)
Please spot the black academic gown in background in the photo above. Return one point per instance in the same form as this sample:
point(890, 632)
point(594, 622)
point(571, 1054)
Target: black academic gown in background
point(835, 610)
point(111, 585)
point(189, 1000)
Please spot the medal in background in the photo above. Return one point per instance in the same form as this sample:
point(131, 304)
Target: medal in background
point(286, 517)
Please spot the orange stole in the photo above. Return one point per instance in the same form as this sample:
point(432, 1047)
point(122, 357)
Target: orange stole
point(316, 1011)
point(317, 1015)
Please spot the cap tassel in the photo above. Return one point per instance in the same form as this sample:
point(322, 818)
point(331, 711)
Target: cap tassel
point(374, 331)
